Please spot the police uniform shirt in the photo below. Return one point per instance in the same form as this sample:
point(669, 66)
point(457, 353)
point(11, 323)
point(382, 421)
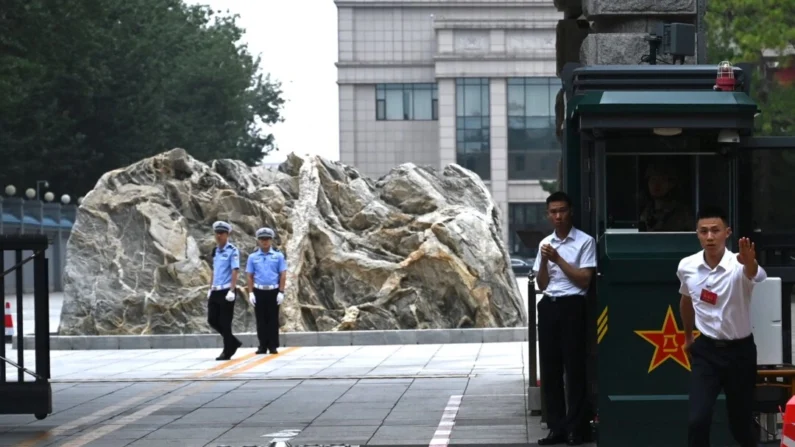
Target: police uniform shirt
point(578, 249)
point(226, 259)
point(723, 312)
point(266, 266)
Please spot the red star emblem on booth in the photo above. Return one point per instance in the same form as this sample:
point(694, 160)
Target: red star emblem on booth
point(668, 342)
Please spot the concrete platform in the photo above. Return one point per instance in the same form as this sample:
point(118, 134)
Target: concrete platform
point(421, 395)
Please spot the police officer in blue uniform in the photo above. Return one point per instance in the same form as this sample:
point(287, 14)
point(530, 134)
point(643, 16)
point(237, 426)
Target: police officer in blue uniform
point(221, 297)
point(267, 272)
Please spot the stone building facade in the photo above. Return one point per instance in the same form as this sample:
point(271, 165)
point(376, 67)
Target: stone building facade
point(472, 82)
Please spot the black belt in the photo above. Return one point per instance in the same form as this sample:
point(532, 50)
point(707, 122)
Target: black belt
point(726, 343)
point(555, 298)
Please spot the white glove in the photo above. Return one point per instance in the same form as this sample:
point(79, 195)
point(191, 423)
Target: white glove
point(209, 292)
point(252, 299)
point(230, 295)
point(279, 298)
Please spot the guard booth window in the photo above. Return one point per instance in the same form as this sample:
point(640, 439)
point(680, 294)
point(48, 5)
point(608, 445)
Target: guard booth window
point(662, 188)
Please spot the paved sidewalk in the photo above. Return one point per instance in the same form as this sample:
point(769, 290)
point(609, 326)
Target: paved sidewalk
point(460, 394)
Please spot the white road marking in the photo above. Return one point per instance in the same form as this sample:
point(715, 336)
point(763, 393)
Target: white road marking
point(283, 436)
point(442, 436)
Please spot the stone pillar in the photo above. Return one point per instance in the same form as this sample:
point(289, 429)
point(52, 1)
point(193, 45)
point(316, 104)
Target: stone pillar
point(619, 28)
point(347, 122)
point(499, 148)
point(447, 153)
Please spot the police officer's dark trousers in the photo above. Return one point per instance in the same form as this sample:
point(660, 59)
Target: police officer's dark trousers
point(219, 316)
point(731, 366)
point(267, 311)
point(562, 350)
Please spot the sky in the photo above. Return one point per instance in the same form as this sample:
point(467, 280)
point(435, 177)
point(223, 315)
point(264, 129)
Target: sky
point(297, 40)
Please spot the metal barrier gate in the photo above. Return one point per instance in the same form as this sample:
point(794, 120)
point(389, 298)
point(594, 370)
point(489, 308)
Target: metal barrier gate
point(25, 396)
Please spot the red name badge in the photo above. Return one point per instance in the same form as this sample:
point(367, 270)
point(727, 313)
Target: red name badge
point(709, 297)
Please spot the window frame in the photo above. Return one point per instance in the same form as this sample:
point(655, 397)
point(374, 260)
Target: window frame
point(408, 100)
point(531, 152)
point(467, 124)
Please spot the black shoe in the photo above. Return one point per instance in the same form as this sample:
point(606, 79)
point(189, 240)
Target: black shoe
point(574, 439)
point(262, 351)
point(274, 351)
point(223, 356)
point(553, 438)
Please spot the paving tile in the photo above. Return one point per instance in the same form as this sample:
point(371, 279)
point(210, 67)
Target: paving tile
point(403, 435)
point(397, 409)
point(342, 435)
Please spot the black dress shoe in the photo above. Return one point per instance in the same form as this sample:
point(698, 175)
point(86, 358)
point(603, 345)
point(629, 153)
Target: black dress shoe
point(262, 351)
point(553, 438)
point(274, 351)
point(574, 439)
point(223, 356)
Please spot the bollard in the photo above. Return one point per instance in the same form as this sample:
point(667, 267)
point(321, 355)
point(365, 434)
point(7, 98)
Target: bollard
point(535, 399)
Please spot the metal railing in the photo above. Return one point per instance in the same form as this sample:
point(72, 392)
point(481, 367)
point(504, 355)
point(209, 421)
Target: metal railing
point(24, 396)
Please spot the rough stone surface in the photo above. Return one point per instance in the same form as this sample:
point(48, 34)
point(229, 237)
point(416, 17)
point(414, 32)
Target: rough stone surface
point(593, 8)
point(615, 49)
point(417, 249)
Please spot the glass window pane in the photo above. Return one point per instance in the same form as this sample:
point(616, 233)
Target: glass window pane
point(423, 108)
point(394, 104)
point(435, 91)
point(472, 103)
point(380, 109)
point(459, 100)
point(515, 100)
point(471, 123)
point(380, 92)
point(537, 100)
point(662, 192)
point(407, 109)
point(484, 100)
point(515, 122)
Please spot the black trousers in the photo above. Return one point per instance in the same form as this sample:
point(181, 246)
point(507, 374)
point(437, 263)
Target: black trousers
point(562, 350)
point(727, 365)
point(219, 316)
point(267, 312)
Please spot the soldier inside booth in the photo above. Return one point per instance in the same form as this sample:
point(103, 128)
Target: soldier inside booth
point(661, 188)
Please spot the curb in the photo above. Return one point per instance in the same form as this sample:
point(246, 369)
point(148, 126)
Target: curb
point(342, 338)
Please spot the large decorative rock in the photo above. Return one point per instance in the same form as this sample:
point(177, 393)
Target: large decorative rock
point(417, 249)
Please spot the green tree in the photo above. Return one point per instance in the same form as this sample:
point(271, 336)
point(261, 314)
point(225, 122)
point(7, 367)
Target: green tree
point(762, 33)
point(93, 85)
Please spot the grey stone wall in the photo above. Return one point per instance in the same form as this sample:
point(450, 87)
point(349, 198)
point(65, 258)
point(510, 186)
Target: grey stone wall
point(598, 32)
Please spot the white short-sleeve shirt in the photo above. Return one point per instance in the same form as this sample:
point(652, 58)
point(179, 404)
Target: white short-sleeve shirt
point(729, 318)
point(578, 249)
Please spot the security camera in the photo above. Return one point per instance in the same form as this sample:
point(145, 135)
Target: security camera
point(728, 136)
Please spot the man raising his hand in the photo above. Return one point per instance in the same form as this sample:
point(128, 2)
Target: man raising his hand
point(716, 287)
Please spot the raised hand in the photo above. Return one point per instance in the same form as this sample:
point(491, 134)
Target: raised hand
point(747, 254)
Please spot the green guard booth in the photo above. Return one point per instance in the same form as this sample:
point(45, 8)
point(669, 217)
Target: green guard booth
point(644, 148)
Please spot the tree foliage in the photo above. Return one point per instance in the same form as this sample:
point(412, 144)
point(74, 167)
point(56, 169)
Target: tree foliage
point(762, 32)
point(93, 85)
point(743, 31)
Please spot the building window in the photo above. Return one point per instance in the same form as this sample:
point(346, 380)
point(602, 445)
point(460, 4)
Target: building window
point(406, 102)
point(526, 216)
point(473, 138)
point(533, 148)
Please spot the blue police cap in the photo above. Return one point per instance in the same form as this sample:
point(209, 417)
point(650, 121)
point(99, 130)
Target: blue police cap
point(220, 226)
point(265, 232)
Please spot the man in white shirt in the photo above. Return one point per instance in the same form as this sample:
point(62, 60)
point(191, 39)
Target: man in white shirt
point(716, 287)
point(564, 268)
